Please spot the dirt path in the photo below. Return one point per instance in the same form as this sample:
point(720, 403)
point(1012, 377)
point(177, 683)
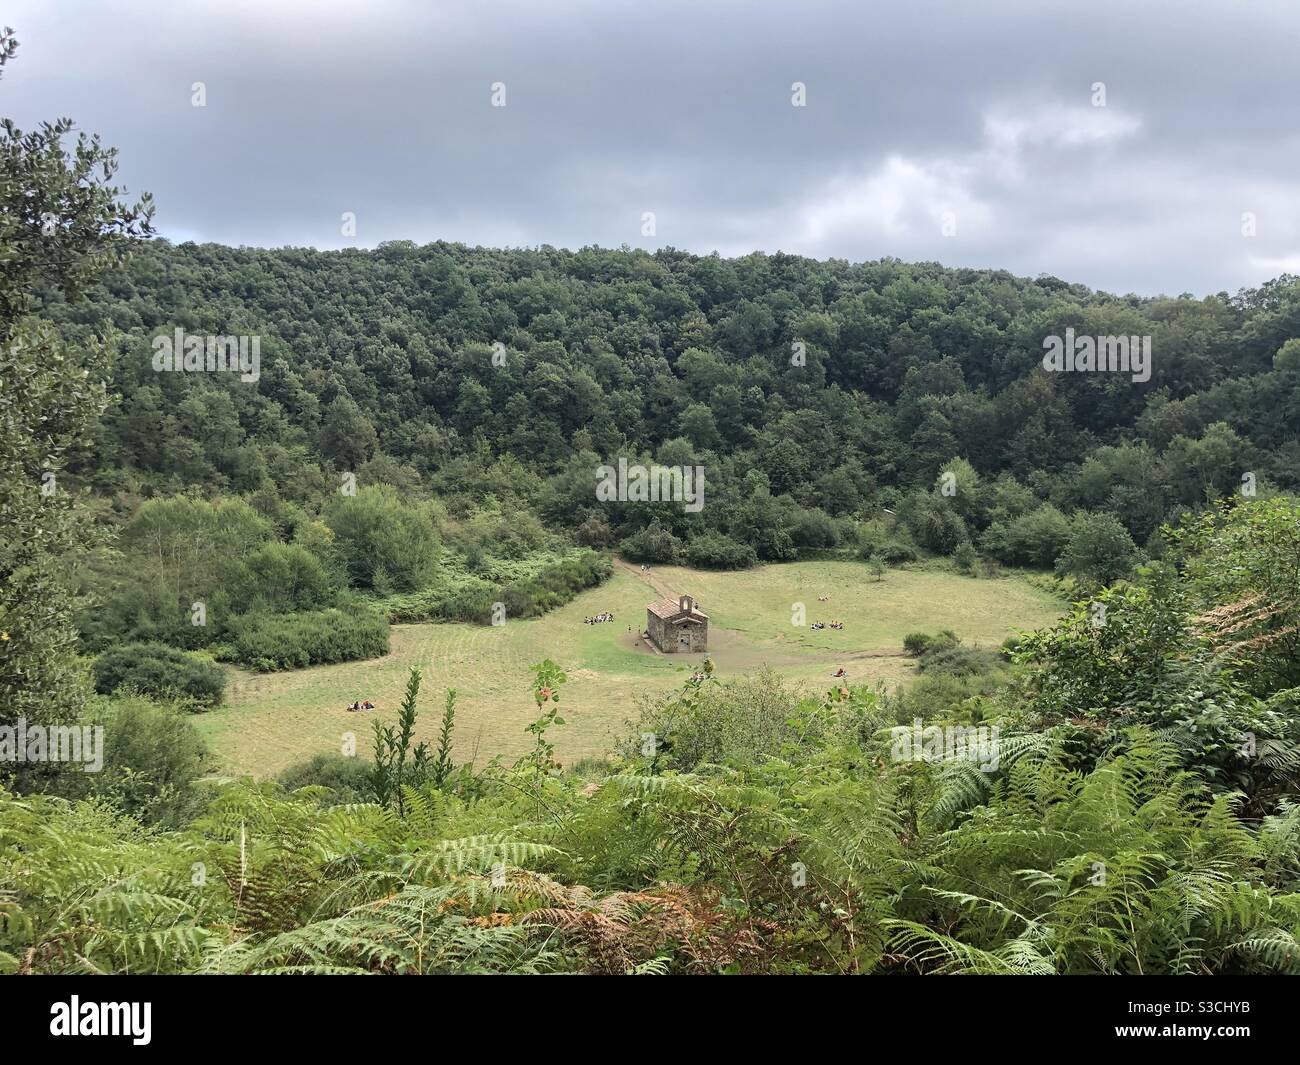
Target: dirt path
point(650, 577)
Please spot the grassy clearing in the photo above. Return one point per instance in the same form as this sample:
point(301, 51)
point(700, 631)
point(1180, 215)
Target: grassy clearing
point(273, 720)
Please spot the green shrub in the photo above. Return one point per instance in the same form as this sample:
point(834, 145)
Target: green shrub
point(934, 523)
point(1033, 539)
point(472, 603)
point(278, 577)
point(270, 642)
point(957, 661)
point(153, 759)
point(915, 643)
point(931, 697)
point(886, 541)
point(348, 779)
point(160, 671)
point(652, 544)
point(555, 585)
point(413, 608)
point(920, 643)
point(526, 597)
point(814, 528)
point(967, 560)
point(142, 611)
point(1100, 549)
point(745, 720)
point(716, 551)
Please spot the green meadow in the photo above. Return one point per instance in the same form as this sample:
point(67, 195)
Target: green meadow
point(271, 720)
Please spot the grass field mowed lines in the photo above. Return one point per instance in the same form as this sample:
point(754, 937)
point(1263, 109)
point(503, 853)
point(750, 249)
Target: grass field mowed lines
point(272, 720)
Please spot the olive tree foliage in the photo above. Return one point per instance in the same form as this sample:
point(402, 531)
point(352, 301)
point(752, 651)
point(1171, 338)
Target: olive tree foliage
point(62, 224)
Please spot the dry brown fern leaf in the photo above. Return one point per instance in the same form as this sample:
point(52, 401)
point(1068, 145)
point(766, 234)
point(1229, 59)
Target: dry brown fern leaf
point(1224, 625)
point(616, 932)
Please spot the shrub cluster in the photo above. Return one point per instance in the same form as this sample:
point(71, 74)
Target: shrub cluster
point(527, 597)
point(270, 642)
point(718, 551)
point(918, 643)
point(943, 653)
point(160, 671)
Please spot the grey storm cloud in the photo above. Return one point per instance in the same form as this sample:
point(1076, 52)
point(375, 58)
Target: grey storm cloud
point(952, 131)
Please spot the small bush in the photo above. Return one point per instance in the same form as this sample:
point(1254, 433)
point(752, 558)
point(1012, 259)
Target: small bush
point(387, 544)
point(967, 560)
point(915, 643)
point(814, 528)
point(749, 719)
point(934, 524)
point(160, 671)
point(921, 643)
point(278, 577)
point(348, 779)
point(1033, 539)
point(898, 551)
point(270, 642)
point(652, 544)
point(716, 551)
point(958, 661)
point(153, 761)
point(1100, 550)
point(472, 603)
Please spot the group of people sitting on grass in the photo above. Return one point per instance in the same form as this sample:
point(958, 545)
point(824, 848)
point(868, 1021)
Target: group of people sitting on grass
point(367, 705)
point(598, 619)
point(821, 625)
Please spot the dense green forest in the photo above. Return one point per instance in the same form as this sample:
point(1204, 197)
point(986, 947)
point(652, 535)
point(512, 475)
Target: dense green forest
point(419, 442)
point(382, 363)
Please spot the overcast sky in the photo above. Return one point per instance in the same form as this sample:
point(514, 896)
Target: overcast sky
point(920, 117)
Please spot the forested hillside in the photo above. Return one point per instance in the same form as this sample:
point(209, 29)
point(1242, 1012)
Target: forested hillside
point(810, 392)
